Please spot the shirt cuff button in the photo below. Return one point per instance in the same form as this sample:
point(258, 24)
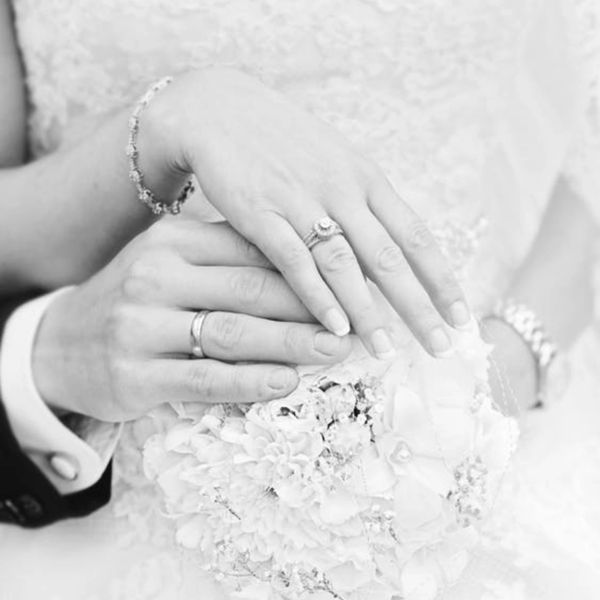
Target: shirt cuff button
point(64, 467)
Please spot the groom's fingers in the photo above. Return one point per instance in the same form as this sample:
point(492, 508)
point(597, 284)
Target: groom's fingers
point(235, 337)
point(211, 381)
point(249, 290)
point(210, 244)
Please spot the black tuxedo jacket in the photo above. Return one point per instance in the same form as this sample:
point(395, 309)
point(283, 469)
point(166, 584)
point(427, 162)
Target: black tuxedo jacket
point(27, 498)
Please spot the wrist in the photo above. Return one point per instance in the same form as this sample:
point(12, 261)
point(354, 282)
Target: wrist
point(513, 371)
point(160, 159)
point(50, 354)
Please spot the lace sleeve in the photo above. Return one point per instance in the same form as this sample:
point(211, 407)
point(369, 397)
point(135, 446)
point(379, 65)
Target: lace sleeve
point(582, 167)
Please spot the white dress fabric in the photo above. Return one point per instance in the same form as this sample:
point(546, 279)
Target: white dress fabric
point(473, 108)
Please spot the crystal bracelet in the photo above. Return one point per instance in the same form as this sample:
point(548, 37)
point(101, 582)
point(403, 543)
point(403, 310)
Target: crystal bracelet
point(528, 326)
point(156, 205)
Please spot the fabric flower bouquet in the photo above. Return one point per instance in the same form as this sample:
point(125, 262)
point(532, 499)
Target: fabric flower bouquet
point(368, 482)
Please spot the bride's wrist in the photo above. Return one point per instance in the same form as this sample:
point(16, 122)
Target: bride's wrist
point(154, 141)
point(513, 371)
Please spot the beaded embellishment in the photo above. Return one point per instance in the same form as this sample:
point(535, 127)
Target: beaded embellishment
point(157, 206)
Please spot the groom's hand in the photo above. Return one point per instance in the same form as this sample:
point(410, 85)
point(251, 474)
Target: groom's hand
point(118, 345)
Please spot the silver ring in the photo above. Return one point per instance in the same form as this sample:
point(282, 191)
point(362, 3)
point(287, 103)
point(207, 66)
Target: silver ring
point(324, 229)
point(196, 333)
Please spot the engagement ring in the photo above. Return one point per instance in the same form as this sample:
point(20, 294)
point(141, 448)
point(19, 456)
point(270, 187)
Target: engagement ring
point(324, 229)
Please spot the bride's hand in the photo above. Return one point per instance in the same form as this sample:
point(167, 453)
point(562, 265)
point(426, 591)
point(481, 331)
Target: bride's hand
point(118, 345)
point(273, 171)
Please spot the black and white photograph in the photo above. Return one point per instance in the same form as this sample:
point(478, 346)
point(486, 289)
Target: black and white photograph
point(299, 299)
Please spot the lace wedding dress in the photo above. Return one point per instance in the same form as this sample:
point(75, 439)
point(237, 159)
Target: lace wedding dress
point(473, 108)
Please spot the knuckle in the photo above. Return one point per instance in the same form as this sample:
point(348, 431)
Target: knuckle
point(424, 317)
point(241, 385)
point(343, 184)
point(247, 385)
point(225, 330)
point(248, 250)
point(118, 328)
point(120, 370)
point(332, 172)
point(365, 315)
point(390, 259)
point(339, 174)
point(292, 256)
point(446, 287)
point(314, 296)
point(249, 285)
point(293, 340)
point(338, 258)
point(141, 280)
point(418, 237)
point(201, 381)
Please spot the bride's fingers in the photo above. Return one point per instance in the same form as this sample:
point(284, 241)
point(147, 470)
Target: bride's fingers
point(423, 254)
point(386, 265)
point(338, 265)
point(235, 337)
point(211, 381)
point(283, 246)
point(250, 290)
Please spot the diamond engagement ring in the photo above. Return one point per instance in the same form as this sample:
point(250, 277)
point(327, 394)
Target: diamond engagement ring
point(324, 229)
point(196, 333)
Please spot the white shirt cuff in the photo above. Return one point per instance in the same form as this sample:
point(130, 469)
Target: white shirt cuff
point(72, 453)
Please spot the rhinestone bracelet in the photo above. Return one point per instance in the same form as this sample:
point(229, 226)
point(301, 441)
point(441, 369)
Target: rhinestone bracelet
point(528, 326)
point(157, 206)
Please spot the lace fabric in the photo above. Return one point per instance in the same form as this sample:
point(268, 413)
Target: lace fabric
point(429, 90)
point(584, 157)
point(543, 542)
point(471, 107)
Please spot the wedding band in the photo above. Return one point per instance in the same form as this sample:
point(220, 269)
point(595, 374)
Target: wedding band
point(324, 229)
point(196, 333)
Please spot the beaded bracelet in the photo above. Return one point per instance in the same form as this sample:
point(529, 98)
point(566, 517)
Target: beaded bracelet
point(528, 326)
point(157, 206)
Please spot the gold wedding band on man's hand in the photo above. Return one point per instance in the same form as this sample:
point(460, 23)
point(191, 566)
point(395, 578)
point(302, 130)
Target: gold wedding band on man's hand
point(196, 334)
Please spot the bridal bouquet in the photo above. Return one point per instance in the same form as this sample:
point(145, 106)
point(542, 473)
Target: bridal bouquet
point(363, 484)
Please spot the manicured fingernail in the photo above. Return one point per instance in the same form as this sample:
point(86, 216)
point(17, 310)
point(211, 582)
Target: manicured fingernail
point(326, 343)
point(336, 321)
point(440, 343)
point(282, 379)
point(382, 345)
point(460, 315)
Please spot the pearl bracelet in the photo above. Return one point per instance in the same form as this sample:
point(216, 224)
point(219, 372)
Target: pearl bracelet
point(157, 206)
point(528, 326)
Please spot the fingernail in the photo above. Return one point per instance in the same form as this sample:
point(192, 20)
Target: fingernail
point(282, 379)
point(382, 345)
point(326, 343)
point(336, 321)
point(460, 315)
point(440, 343)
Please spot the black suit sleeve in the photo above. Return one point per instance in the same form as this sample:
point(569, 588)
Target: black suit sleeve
point(27, 498)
